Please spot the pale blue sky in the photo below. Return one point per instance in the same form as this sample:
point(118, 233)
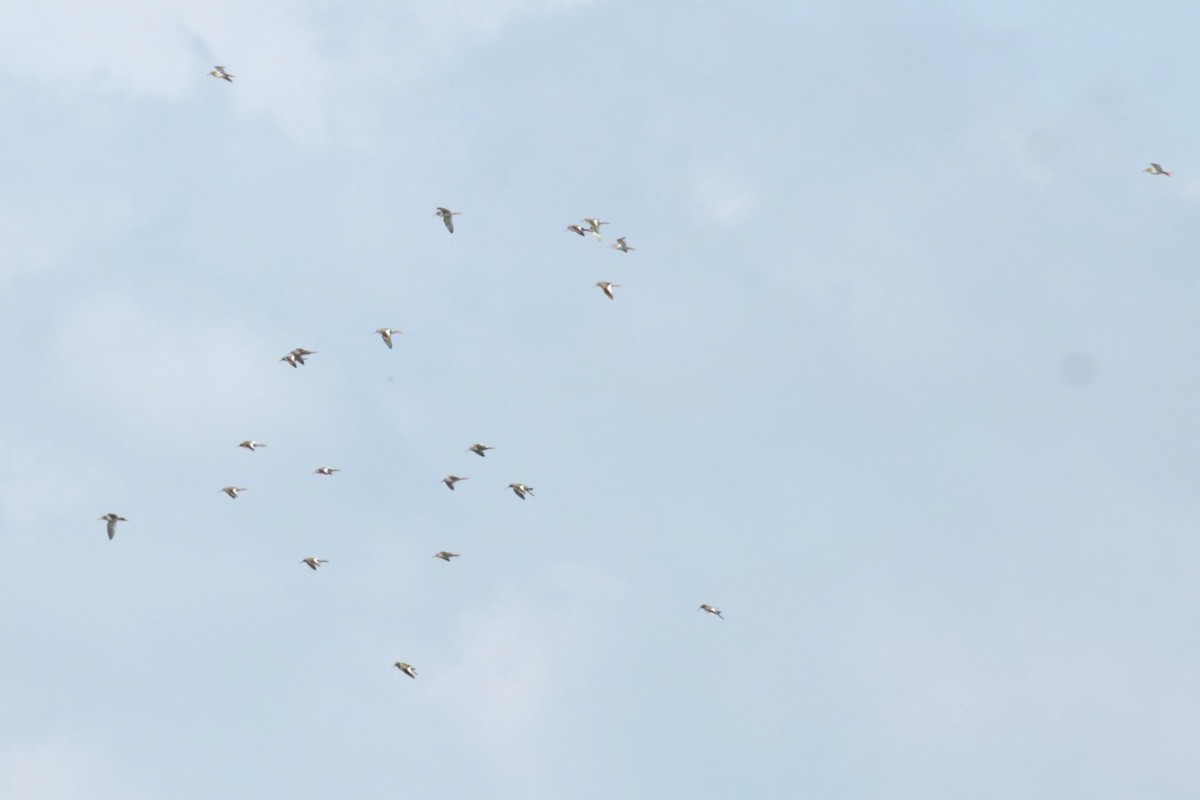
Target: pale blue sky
point(901, 376)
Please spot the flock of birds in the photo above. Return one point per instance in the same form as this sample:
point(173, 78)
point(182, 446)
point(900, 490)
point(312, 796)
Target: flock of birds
point(299, 356)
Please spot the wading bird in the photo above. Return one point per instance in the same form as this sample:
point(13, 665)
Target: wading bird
point(447, 217)
point(112, 520)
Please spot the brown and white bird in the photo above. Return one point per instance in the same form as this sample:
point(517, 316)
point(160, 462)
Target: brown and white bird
point(444, 555)
point(521, 490)
point(387, 334)
point(314, 562)
point(112, 520)
point(620, 245)
point(578, 229)
point(232, 491)
point(219, 72)
point(710, 609)
point(594, 224)
point(296, 357)
point(447, 217)
point(407, 669)
point(326, 470)
point(250, 444)
point(608, 288)
point(479, 450)
point(450, 480)
point(1156, 169)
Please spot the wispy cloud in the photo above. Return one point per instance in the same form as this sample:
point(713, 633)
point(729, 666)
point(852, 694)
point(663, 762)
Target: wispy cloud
point(62, 769)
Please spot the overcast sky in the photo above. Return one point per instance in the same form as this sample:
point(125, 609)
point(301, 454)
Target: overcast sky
point(901, 376)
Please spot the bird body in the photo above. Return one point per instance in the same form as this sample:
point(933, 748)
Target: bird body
point(219, 72)
point(112, 520)
point(578, 229)
point(479, 449)
point(232, 491)
point(620, 245)
point(450, 480)
point(296, 357)
point(447, 217)
point(250, 444)
point(594, 224)
point(387, 334)
point(314, 562)
point(608, 288)
point(407, 669)
point(444, 555)
point(1156, 169)
point(710, 609)
point(326, 470)
point(521, 490)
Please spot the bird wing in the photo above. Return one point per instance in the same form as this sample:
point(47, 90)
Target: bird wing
point(112, 528)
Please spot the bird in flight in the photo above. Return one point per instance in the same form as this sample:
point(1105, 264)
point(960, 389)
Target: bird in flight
point(608, 288)
point(593, 225)
point(232, 491)
point(250, 444)
point(1156, 169)
point(450, 480)
point(314, 562)
point(387, 334)
point(296, 357)
point(219, 72)
point(521, 490)
point(578, 229)
point(478, 449)
point(445, 555)
point(447, 217)
point(407, 669)
point(326, 470)
point(710, 609)
point(620, 245)
point(112, 520)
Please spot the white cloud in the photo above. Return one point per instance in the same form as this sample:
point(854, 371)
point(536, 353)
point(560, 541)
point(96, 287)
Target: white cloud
point(291, 66)
point(62, 769)
point(515, 659)
point(177, 379)
point(722, 198)
point(40, 234)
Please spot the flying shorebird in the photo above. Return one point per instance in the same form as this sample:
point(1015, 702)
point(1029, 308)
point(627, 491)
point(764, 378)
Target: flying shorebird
point(232, 491)
point(1156, 169)
point(326, 470)
point(112, 520)
point(387, 334)
point(407, 669)
point(578, 229)
point(521, 489)
point(478, 449)
point(710, 609)
point(314, 562)
point(250, 444)
point(219, 72)
point(296, 357)
point(608, 287)
point(450, 480)
point(594, 224)
point(620, 245)
point(447, 217)
point(444, 555)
